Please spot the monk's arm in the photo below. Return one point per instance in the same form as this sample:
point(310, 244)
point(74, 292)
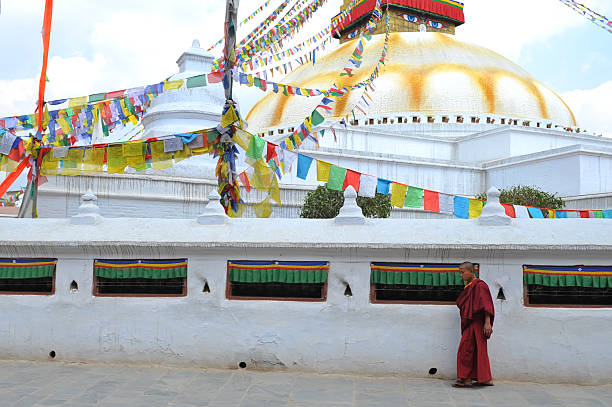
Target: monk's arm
point(488, 329)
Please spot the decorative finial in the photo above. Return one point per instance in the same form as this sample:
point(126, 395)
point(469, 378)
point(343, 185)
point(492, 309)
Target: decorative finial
point(195, 43)
point(350, 213)
point(88, 212)
point(493, 213)
point(213, 213)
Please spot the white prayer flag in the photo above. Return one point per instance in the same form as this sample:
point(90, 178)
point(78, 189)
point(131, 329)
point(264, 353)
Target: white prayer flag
point(521, 211)
point(173, 144)
point(60, 152)
point(447, 203)
point(367, 185)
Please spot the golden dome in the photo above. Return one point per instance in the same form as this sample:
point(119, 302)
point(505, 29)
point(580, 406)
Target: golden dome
point(428, 73)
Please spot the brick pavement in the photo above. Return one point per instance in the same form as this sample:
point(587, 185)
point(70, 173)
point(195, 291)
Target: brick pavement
point(37, 384)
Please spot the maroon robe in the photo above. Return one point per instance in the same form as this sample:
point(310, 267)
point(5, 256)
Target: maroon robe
point(472, 356)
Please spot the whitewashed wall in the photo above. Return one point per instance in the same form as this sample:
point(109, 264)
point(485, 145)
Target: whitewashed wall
point(342, 334)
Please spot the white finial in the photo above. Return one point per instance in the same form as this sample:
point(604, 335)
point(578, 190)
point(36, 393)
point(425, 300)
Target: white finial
point(195, 43)
point(350, 213)
point(493, 213)
point(213, 213)
point(88, 212)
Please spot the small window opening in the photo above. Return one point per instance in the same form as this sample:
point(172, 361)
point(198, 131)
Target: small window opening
point(444, 119)
point(474, 120)
point(206, 288)
point(488, 120)
point(500, 294)
point(270, 132)
point(378, 121)
point(384, 120)
point(433, 371)
point(392, 121)
point(347, 291)
point(430, 119)
point(503, 121)
point(74, 287)
point(400, 119)
point(281, 131)
point(277, 280)
point(242, 365)
point(372, 122)
point(539, 124)
point(549, 125)
point(459, 119)
point(515, 122)
point(52, 354)
point(290, 130)
point(415, 119)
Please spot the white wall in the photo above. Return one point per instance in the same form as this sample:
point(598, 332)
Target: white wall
point(342, 334)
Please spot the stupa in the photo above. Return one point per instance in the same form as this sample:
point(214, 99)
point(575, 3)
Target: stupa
point(445, 115)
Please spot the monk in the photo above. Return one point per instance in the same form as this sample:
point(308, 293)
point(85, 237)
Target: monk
point(477, 313)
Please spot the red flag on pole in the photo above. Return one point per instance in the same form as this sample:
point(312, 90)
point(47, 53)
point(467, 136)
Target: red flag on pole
point(46, 36)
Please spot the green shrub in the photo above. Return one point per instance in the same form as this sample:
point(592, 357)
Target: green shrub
point(323, 203)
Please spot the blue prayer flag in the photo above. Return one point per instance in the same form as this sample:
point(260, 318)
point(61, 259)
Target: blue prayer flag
point(535, 212)
point(383, 186)
point(607, 214)
point(561, 214)
point(303, 166)
point(462, 207)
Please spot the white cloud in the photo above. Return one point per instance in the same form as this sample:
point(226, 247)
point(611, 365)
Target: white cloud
point(592, 108)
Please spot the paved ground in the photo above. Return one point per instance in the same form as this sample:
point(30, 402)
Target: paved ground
point(55, 384)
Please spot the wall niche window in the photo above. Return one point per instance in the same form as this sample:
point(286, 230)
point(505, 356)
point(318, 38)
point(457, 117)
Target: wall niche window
point(405, 283)
point(572, 286)
point(27, 276)
point(277, 280)
point(141, 278)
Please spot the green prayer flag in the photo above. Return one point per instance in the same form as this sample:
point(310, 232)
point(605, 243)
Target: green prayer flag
point(598, 214)
point(211, 135)
point(414, 197)
point(96, 97)
point(317, 118)
point(257, 82)
point(336, 178)
point(256, 147)
point(196, 81)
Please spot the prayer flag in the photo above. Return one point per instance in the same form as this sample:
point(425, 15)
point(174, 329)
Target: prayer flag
point(116, 160)
point(462, 205)
point(336, 178)
point(561, 214)
point(215, 77)
point(447, 203)
point(263, 209)
point(159, 158)
point(551, 214)
point(509, 210)
point(270, 151)
point(475, 208)
point(93, 161)
point(584, 214)
point(382, 186)
point(303, 166)
point(244, 178)
point(598, 214)
point(196, 81)
point(431, 201)
point(170, 85)
point(352, 178)
point(323, 168)
point(414, 197)
point(535, 212)
point(74, 102)
point(256, 147)
point(398, 194)
point(367, 186)
point(521, 211)
point(607, 213)
point(317, 118)
point(275, 191)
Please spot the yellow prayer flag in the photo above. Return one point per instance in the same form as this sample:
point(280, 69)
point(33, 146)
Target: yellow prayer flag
point(93, 162)
point(323, 168)
point(202, 150)
point(250, 80)
point(182, 154)
point(238, 213)
point(116, 162)
point(49, 165)
point(263, 209)
point(552, 214)
point(289, 144)
point(262, 176)
point(76, 102)
point(475, 208)
point(132, 118)
point(242, 138)
point(63, 124)
point(169, 85)
point(133, 148)
point(229, 117)
point(398, 194)
point(72, 163)
point(275, 191)
point(159, 159)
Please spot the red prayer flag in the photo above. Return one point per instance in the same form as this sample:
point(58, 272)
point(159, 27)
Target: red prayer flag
point(215, 77)
point(46, 37)
point(270, 151)
point(431, 201)
point(509, 210)
point(115, 94)
point(17, 153)
point(352, 178)
point(584, 214)
point(245, 181)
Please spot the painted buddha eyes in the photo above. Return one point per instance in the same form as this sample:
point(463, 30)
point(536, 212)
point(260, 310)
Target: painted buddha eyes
point(414, 19)
point(436, 24)
point(409, 18)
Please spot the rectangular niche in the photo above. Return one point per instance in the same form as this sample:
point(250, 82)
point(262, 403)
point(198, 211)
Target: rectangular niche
point(31, 276)
point(567, 286)
point(140, 278)
point(415, 283)
point(277, 280)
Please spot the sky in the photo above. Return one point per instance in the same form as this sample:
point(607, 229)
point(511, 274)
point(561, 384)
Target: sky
point(99, 46)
